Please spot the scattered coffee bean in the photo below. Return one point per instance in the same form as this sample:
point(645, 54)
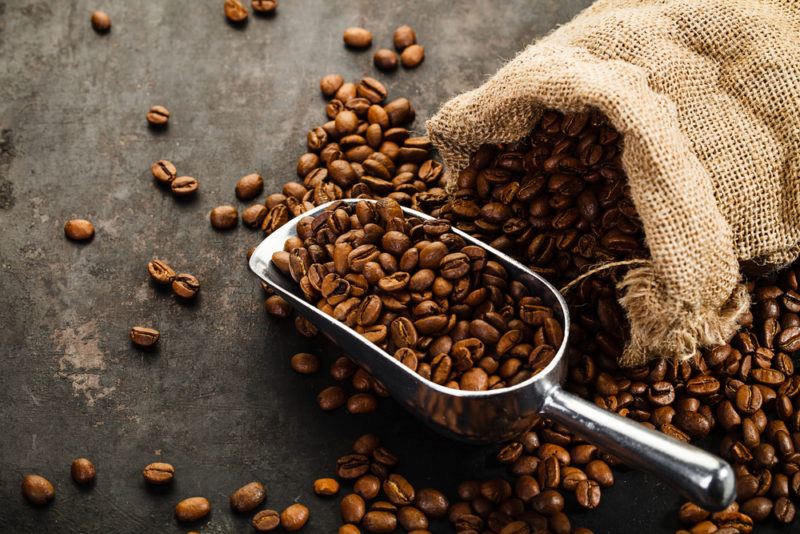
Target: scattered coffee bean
point(412, 56)
point(358, 38)
point(192, 509)
point(158, 473)
point(163, 171)
point(404, 36)
point(185, 285)
point(352, 508)
point(82, 471)
point(264, 7)
point(254, 215)
point(362, 403)
point(235, 11)
point(37, 490)
point(143, 336)
point(331, 398)
point(249, 187)
point(385, 60)
point(294, 517)
point(224, 217)
point(330, 83)
point(305, 363)
point(326, 486)
point(277, 307)
point(183, 186)
point(248, 497)
point(266, 521)
point(79, 229)
point(101, 22)
point(160, 271)
point(158, 116)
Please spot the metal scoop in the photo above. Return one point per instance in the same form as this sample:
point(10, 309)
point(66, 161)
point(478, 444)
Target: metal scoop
point(496, 415)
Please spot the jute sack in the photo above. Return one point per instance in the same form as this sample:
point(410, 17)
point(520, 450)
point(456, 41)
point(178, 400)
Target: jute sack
point(706, 94)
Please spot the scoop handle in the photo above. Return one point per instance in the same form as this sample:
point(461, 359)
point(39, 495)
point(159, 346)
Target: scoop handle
point(698, 475)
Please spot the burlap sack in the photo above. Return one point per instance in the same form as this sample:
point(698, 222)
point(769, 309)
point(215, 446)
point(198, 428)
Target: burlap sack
point(707, 96)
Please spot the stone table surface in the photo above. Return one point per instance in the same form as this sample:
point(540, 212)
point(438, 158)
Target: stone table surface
point(217, 399)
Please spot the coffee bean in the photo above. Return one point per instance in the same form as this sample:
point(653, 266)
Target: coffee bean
point(362, 403)
point(294, 517)
point(83, 471)
point(185, 285)
point(158, 116)
point(398, 490)
point(368, 486)
point(331, 398)
point(143, 336)
point(163, 171)
point(379, 521)
point(366, 444)
point(784, 510)
point(433, 503)
point(235, 11)
point(101, 22)
point(548, 502)
point(348, 529)
point(352, 508)
point(192, 509)
point(358, 38)
point(404, 36)
point(79, 229)
point(264, 7)
point(758, 508)
point(253, 216)
point(224, 217)
point(588, 494)
point(385, 59)
point(37, 490)
point(600, 472)
point(249, 186)
point(158, 473)
point(326, 486)
point(248, 497)
point(305, 363)
point(330, 84)
point(184, 186)
point(412, 56)
point(277, 307)
point(266, 521)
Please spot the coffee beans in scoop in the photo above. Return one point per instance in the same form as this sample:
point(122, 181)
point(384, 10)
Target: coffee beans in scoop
point(418, 291)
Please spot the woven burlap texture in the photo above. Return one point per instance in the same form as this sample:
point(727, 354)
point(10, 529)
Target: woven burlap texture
point(707, 96)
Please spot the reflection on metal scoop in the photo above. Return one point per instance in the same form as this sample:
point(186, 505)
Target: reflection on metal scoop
point(496, 415)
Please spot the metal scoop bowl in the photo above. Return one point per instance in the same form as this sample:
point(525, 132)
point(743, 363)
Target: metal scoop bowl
point(496, 415)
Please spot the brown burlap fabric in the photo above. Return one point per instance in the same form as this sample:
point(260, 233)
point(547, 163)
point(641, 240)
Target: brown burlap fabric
point(707, 96)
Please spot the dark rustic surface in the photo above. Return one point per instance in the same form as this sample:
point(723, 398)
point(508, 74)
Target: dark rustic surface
point(217, 399)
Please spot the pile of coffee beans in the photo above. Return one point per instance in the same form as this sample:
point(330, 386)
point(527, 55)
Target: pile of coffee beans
point(438, 305)
point(557, 200)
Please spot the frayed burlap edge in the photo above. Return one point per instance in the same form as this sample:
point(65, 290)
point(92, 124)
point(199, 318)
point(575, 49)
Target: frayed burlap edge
point(680, 329)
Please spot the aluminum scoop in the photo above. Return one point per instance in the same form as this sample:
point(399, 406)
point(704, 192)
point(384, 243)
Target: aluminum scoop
point(496, 415)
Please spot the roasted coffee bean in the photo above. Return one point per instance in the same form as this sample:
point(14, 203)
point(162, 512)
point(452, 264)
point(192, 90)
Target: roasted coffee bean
point(758, 508)
point(305, 363)
point(433, 503)
point(158, 116)
point(235, 11)
point(192, 509)
point(294, 517)
point(404, 36)
point(412, 56)
point(366, 444)
point(588, 494)
point(163, 171)
point(600, 472)
point(249, 187)
point(352, 466)
point(362, 403)
point(264, 7)
point(330, 83)
point(82, 471)
point(185, 285)
point(253, 216)
point(352, 508)
point(37, 490)
point(331, 398)
point(326, 486)
point(101, 22)
point(379, 521)
point(548, 502)
point(266, 521)
point(224, 217)
point(784, 510)
point(277, 307)
point(398, 490)
point(368, 486)
point(158, 473)
point(248, 497)
point(184, 186)
point(358, 38)
point(79, 229)
point(143, 336)
point(385, 60)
